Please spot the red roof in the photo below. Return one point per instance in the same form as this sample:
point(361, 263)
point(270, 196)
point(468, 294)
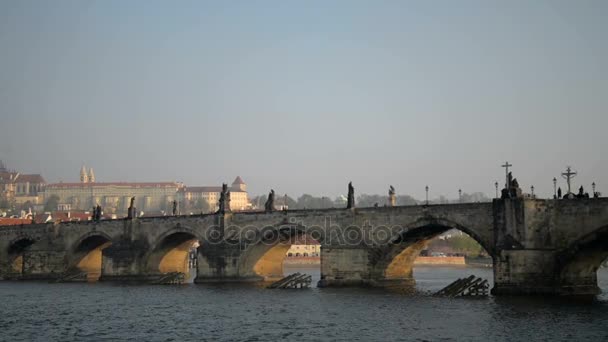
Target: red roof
point(63, 216)
point(14, 221)
point(30, 178)
point(8, 177)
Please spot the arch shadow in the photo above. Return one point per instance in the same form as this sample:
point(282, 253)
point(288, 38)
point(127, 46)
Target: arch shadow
point(578, 264)
point(15, 253)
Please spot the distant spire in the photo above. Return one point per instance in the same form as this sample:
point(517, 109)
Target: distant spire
point(91, 176)
point(2, 167)
point(84, 177)
point(239, 184)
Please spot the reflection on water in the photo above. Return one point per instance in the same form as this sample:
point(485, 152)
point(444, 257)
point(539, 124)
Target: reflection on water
point(33, 311)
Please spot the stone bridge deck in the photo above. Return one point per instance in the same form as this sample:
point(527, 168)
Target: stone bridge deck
point(538, 246)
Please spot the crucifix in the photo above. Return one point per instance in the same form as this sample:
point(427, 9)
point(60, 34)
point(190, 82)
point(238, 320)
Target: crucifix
point(507, 166)
point(568, 175)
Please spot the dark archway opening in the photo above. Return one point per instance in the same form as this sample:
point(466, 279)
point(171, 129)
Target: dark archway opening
point(583, 266)
point(430, 257)
point(88, 257)
point(16, 255)
point(176, 253)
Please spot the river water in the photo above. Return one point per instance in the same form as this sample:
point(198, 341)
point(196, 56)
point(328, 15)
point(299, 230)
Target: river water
point(32, 311)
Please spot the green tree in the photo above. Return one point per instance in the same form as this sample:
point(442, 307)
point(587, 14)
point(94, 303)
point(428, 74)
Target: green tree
point(406, 200)
point(51, 203)
point(366, 200)
point(5, 204)
point(201, 206)
point(27, 205)
point(307, 201)
point(465, 244)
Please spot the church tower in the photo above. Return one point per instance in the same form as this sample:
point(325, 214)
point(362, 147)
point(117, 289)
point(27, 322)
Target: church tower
point(239, 185)
point(91, 176)
point(84, 177)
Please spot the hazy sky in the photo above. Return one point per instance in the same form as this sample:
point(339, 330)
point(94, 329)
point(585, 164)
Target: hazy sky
point(303, 96)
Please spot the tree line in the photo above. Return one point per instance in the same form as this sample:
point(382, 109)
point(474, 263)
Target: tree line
point(307, 201)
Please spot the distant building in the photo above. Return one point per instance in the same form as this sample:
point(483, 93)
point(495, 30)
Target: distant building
point(20, 188)
point(304, 246)
point(153, 198)
point(239, 199)
point(113, 197)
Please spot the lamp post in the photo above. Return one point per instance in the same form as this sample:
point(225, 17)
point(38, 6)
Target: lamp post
point(532, 191)
point(554, 188)
point(496, 186)
point(593, 188)
point(427, 194)
point(460, 195)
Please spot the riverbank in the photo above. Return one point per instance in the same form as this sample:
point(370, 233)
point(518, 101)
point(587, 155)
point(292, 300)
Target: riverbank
point(444, 260)
point(421, 260)
point(302, 261)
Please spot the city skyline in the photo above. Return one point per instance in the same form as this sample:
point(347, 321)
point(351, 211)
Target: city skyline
point(558, 182)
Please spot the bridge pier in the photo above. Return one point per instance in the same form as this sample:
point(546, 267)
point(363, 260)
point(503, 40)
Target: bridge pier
point(524, 272)
point(43, 262)
point(124, 261)
point(345, 266)
point(220, 262)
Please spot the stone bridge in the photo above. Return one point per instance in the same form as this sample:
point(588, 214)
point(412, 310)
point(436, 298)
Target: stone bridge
point(537, 246)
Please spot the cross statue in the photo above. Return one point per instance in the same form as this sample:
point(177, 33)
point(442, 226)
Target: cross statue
point(507, 166)
point(568, 175)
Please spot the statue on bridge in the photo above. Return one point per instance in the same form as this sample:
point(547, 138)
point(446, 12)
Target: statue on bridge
point(351, 196)
point(392, 198)
point(174, 207)
point(224, 203)
point(97, 213)
point(513, 190)
point(132, 211)
point(269, 205)
point(582, 193)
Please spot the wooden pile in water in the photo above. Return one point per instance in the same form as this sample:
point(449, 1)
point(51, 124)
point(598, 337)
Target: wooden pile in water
point(468, 287)
point(75, 275)
point(171, 278)
point(293, 281)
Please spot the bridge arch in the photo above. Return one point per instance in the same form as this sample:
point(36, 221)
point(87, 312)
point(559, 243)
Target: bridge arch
point(395, 261)
point(264, 257)
point(86, 255)
point(171, 252)
point(16, 251)
point(578, 264)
